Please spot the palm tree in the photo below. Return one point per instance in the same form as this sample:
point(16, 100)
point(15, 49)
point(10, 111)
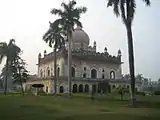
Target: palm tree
point(69, 17)
point(10, 51)
point(2, 77)
point(126, 9)
point(55, 36)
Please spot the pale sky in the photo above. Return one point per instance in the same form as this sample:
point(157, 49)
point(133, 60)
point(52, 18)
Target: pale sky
point(27, 20)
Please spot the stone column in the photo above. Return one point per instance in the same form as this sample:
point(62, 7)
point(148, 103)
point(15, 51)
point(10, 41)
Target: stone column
point(90, 89)
point(62, 67)
point(96, 87)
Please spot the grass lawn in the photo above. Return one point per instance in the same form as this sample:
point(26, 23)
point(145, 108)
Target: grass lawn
point(17, 107)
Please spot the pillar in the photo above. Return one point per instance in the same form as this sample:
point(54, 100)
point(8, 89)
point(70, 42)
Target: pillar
point(97, 87)
point(90, 89)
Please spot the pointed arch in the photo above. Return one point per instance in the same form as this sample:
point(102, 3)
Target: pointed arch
point(93, 73)
point(80, 88)
point(112, 75)
point(86, 88)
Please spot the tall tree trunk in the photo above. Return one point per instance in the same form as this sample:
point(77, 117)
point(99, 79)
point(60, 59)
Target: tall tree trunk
point(22, 89)
point(69, 64)
point(55, 70)
point(131, 64)
point(6, 77)
point(21, 82)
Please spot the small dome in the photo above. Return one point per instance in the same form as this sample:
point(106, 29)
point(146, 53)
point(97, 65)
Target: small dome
point(80, 36)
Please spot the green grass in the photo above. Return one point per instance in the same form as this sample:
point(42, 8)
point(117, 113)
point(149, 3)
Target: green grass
point(16, 107)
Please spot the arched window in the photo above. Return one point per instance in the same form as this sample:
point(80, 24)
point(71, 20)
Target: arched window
point(84, 75)
point(73, 72)
point(93, 73)
point(112, 75)
point(61, 89)
point(103, 70)
point(58, 70)
point(41, 73)
point(48, 72)
point(84, 68)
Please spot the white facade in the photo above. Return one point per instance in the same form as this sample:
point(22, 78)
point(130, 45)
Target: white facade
point(89, 67)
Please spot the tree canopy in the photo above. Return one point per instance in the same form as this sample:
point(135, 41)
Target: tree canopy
point(69, 15)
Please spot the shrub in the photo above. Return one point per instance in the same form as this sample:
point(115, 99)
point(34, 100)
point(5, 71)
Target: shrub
point(140, 93)
point(157, 93)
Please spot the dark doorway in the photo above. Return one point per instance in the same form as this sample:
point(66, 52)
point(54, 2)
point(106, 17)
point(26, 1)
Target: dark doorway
point(86, 88)
point(61, 89)
point(75, 88)
point(93, 73)
point(81, 88)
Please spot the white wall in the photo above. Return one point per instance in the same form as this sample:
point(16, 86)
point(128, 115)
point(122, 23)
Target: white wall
point(79, 68)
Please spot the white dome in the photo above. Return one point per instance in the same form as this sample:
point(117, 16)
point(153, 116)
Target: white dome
point(80, 36)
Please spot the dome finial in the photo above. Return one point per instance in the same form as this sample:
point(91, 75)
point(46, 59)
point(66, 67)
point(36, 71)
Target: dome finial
point(94, 44)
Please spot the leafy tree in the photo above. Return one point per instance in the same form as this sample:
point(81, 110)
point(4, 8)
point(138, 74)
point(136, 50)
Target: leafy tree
point(55, 36)
point(139, 77)
point(19, 72)
point(69, 17)
point(122, 91)
point(10, 51)
point(126, 9)
point(127, 77)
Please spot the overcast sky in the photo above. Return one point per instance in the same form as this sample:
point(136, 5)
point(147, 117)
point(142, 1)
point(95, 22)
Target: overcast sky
point(27, 21)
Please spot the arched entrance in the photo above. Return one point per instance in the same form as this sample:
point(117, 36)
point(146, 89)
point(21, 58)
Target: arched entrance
point(61, 89)
point(75, 88)
point(94, 88)
point(93, 73)
point(80, 88)
point(86, 89)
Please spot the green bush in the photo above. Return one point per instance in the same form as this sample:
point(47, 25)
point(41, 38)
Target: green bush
point(157, 92)
point(140, 93)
